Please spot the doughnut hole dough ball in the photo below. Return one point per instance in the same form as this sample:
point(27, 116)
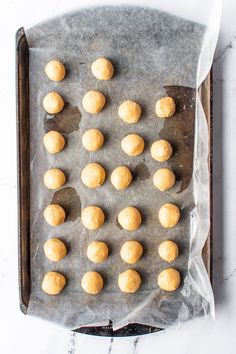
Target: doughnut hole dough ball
point(93, 175)
point(168, 250)
point(102, 69)
point(130, 218)
point(55, 70)
point(132, 144)
point(54, 215)
point(92, 140)
point(92, 217)
point(164, 179)
point(54, 142)
point(53, 283)
point(54, 178)
point(129, 281)
point(53, 103)
point(165, 107)
point(97, 251)
point(92, 283)
point(121, 177)
point(54, 249)
point(130, 112)
point(169, 279)
point(131, 251)
point(169, 215)
point(161, 150)
point(93, 102)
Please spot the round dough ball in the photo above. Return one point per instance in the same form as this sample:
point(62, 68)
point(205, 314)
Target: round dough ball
point(54, 178)
point(165, 107)
point(97, 251)
point(169, 215)
point(129, 281)
point(54, 142)
point(92, 140)
point(54, 249)
point(130, 218)
point(132, 144)
point(164, 179)
point(121, 177)
point(53, 103)
point(102, 69)
point(54, 215)
point(131, 251)
point(93, 175)
point(93, 101)
point(92, 217)
point(92, 283)
point(129, 111)
point(53, 283)
point(55, 70)
point(169, 279)
point(168, 250)
point(161, 150)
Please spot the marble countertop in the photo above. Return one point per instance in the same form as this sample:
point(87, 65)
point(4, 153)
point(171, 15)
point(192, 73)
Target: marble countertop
point(29, 335)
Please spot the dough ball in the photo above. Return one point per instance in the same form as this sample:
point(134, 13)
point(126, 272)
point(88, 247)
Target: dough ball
point(164, 179)
point(92, 283)
point(169, 279)
point(54, 178)
point(129, 111)
point(93, 175)
point(53, 283)
point(55, 70)
point(54, 142)
point(132, 144)
point(54, 215)
point(168, 250)
point(102, 69)
point(130, 218)
point(54, 249)
point(93, 101)
point(165, 107)
point(131, 251)
point(129, 281)
point(97, 251)
point(169, 215)
point(92, 217)
point(53, 103)
point(92, 140)
point(161, 150)
point(121, 177)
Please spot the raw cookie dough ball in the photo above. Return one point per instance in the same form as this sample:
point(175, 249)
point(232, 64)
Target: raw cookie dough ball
point(54, 178)
point(121, 177)
point(92, 140)
point(168, 250)
point(54, 214)
point(102, 69)
point(53, 103)
point(55, 70)
point(129, 281)
point(92, 283)
point(161, 150)
point(93, 175)
point(130, 218)
point(54, 249)
point(169, 215)
point(129, 111)
point(164, 179)
point(132, 144)
point(54, 142)
point(97, 251)
point(93, 101)
point(131, 251)
point(53, 283)
point(165, 107)
point(169, 279)
point(92, 217)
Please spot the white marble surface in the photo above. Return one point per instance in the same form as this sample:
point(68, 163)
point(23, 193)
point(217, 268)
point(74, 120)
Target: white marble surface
point(20, 334)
